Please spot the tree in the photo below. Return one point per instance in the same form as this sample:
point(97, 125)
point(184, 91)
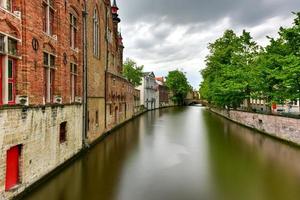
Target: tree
point(177, 82)
point(238, 69)
point(132, 72)
point(227, 77)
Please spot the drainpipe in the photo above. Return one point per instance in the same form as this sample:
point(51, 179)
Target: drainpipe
point(85, 57)
point(106, 68)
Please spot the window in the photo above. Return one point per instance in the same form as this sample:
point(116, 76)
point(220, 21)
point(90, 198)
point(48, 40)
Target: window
point(12, 167)
point(73, 31)
point(48, 16)
point(11, 81)
point(88, 120)
point(6, 4)
point(8, 48)
point(63, 132)
point(49, 76)
point(12, 46)
point(97, 118)
point(2, 44)
point(73, 81)
point(96, 33)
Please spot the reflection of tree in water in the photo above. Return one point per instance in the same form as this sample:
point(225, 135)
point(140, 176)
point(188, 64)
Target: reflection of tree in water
point(249, 165)
point(95, 175)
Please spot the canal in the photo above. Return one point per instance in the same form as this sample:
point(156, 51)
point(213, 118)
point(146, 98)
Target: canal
point(180, 154)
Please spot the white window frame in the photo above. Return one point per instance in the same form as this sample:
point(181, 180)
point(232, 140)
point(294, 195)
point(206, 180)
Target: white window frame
point(49, 68)
point(74, 74)
point(49, 8)
point(6, 57)
point(96, 33)
point(4, 5)
point(73, 29)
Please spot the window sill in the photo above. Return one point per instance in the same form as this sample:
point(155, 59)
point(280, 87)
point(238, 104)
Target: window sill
point(63, 142)
point(10, 13)
point(53, 37)
point(76, 50)
point(97, 57)
point(15, 56)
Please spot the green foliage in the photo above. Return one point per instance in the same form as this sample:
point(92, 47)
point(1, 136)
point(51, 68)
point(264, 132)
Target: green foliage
point(177, 82)
point(227, 79)
point(132, 72)
point(238, 69)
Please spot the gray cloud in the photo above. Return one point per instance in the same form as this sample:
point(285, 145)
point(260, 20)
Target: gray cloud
point(170, 34)
point(194, 11)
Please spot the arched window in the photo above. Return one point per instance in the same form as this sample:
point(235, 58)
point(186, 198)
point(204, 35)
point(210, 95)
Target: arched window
point(96, 33)
point(48, 16)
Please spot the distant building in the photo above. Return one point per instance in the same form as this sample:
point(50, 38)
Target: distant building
point(163, 92)
point(137, 101)
point(262, 106)
point(148, 90)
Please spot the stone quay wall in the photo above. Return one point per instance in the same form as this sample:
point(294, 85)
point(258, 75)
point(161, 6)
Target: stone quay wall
point(37, 131)
point(284, 128)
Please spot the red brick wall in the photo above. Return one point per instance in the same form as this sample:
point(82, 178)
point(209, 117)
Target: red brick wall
point(30, 69)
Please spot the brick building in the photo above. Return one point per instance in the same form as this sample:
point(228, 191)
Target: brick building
point(96, 66)
point(163, 92)
point(119, 91)
point(40, 89)
point(59, 67)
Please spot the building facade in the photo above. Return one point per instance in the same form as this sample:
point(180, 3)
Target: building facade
point(260, 105)
point(41, 70)
point(163, 92)
point(148, 90)
point(119, 91)
point(96, 22)
point(61, 84)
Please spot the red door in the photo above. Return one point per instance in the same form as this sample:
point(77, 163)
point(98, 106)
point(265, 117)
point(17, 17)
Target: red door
point(1, 80)
point(12, 167)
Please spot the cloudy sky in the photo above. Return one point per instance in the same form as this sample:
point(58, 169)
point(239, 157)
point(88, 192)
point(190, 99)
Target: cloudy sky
point(164, 35)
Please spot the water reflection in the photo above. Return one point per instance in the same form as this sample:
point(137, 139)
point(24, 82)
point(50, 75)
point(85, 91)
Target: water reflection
point(248, 165)
point(180, 154)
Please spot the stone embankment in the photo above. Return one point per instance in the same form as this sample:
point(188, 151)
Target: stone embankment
point(284, 128)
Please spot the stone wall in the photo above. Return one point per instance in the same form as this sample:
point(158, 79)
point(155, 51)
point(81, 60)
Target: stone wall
point(284, 128)
point(36, 130)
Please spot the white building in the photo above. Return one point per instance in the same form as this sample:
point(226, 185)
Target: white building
point(148, 91)
point(287, 106)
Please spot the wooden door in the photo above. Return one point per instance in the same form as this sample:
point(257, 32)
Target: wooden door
point(12, 167)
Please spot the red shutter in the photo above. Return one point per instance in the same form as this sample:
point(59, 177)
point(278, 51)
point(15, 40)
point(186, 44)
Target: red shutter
point(12, 167)
point(1, 80)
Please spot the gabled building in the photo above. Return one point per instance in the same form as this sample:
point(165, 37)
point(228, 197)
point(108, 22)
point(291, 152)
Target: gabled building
point(119, 92)
point(148, 90)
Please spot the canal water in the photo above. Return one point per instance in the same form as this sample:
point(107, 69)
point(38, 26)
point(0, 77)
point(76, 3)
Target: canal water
point(180, 154)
